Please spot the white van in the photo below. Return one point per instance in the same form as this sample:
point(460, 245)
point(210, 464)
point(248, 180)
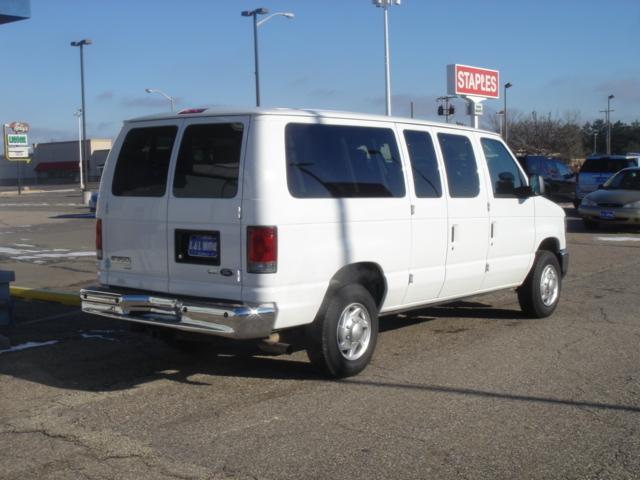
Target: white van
point(305, 226)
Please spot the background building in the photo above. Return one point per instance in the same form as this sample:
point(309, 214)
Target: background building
point(57, 162)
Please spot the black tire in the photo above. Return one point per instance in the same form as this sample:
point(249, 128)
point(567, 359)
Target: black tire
point(322, 334)
point(531, 296)
point(589, 224)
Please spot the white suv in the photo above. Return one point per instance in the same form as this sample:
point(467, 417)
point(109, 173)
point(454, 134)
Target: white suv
point(305, 226)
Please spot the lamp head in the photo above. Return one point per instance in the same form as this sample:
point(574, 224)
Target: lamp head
point(84, 41)
point(508, 85)
point(611, 97)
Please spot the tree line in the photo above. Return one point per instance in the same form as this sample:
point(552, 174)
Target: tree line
point(564, 137)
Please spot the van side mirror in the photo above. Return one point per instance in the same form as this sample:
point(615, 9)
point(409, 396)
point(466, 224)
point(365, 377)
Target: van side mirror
point(536, 182)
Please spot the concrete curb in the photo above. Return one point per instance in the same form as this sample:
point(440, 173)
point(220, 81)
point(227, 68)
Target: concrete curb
point(63, 298)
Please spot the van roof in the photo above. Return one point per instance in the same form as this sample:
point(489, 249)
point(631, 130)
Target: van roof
point(238, 111)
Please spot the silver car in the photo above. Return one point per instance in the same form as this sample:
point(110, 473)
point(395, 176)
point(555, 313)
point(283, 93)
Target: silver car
point(617, 201)
point(597, 169)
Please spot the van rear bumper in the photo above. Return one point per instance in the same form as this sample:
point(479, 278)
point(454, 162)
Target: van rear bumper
point(231, 320)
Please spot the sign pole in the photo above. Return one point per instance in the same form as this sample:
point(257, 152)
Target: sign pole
point(19, 179)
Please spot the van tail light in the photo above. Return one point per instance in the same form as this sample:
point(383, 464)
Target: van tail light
point(262, 249)
point(99, 239)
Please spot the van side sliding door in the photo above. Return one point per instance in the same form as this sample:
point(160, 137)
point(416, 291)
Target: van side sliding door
point(429, 216)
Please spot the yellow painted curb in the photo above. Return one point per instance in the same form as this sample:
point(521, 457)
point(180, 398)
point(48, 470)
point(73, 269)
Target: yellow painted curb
point(63, 298)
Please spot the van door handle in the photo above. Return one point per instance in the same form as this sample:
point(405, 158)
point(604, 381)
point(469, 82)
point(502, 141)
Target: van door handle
point(454, 229)
point(493, 229)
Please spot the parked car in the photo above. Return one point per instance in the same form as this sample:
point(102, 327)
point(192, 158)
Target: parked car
point(300, 228)
point(597, 169)
point(618, 201)
point(559, 180)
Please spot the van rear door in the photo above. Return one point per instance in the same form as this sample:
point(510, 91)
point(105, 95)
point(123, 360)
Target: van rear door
point(134, 217)
point(203, 222)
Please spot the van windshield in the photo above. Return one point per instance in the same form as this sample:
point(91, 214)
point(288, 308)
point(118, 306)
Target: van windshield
point(604, 165)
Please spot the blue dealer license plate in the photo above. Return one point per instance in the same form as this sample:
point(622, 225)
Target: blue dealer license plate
point(607, 215)
point(203, 246)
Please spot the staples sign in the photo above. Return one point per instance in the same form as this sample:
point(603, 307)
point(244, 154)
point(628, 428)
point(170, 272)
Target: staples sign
point(478, 82)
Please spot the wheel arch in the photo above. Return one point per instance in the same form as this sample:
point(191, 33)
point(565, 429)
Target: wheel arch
point(551, 244)
point(368, 274)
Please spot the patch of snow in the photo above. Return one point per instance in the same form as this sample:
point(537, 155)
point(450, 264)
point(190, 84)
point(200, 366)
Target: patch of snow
point(26, 346)
point(101, 337)
point(24, 245)
point(619, 239)
point(54, 255)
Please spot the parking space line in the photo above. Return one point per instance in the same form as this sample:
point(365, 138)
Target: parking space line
point(49, 318)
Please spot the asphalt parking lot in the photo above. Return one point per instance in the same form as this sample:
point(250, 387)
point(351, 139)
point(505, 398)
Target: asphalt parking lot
point(471, 390)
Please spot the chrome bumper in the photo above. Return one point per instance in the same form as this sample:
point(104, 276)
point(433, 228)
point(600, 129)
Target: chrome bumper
point(222, 319)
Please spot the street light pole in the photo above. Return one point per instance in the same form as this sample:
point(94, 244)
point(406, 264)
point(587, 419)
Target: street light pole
point(85, 158)
point(595, 144)
point(256, 24)
point(384, 4)
point(609, 98)
point(78, 113)
point(504, 112)
point(160, 92)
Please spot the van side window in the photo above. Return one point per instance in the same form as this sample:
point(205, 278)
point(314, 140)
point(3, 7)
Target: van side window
point(505, 174)
point(209, 161)
point(461, 166)
point(337, 161)
point(143, 162)
point(424, 164)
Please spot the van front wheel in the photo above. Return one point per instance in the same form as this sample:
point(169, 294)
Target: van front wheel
point(540, 293)
point(343, 337)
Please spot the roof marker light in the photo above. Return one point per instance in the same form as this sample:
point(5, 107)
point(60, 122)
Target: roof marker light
point(188, 111)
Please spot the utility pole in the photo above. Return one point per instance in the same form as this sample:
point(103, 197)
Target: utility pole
point(607, 114)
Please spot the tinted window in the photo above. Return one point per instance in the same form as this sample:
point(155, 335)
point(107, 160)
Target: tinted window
point(505, 174)
point(563, 169)
point(209, 161)
point(143, 162)
point(605, 165)
point(533, 166)
point(341, 161)
point(460, 163)
point(629, 180)
point(424, 165)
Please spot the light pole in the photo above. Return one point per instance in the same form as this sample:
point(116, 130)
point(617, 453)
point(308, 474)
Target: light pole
point(500, 115)
point(78, 113)
point(256, 24)
point(160, 92)
point(85, 157)
point(385, 4)
point(504, 112)
point(595, 144)
point(609, 98)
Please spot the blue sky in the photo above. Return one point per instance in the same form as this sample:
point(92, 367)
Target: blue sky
point(563, 57)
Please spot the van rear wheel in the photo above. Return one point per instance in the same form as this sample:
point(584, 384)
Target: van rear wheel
point(342, 339)
point(540, 293)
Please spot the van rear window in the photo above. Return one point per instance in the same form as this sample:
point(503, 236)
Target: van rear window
point(209, 161)
point(339, 161)
point(143, 162)
point(605, 165)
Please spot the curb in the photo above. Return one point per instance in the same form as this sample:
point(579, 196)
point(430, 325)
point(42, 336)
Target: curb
point(70, 299)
